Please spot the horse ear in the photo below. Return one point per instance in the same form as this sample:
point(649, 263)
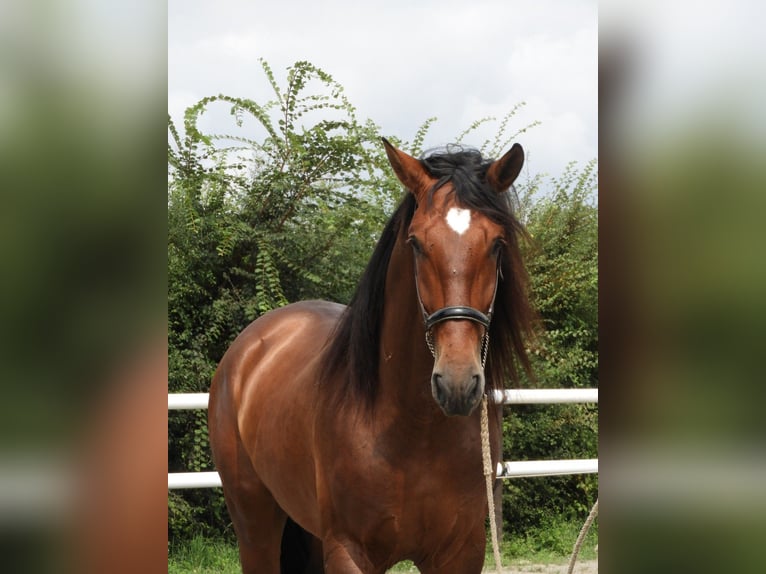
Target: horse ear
point(503, 172)
point(408, 169)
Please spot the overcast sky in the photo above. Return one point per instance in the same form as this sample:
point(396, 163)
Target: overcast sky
point(402, 61)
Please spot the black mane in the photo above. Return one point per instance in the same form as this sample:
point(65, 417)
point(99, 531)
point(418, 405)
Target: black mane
point(356, 341)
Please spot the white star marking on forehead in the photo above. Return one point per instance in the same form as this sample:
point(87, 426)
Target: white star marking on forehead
point(459, 219)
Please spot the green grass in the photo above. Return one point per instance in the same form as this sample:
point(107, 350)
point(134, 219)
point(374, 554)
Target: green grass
point(549, 545)
point(203, 556)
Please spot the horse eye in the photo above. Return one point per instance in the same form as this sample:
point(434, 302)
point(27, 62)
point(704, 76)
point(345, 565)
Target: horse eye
point(498, 245)
point(412, 240)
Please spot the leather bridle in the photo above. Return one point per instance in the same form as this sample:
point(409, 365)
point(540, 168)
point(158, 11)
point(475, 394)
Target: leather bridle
point(458, 313)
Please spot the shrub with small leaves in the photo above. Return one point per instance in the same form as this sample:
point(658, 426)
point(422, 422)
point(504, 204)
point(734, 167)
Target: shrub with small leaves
point(562, 260)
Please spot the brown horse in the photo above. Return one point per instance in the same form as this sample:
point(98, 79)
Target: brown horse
point(348, 438)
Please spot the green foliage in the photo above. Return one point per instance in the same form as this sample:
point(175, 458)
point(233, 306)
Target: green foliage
point(501, 141)
point(203, 556)
point(552, 541)
point(563, 267)
point(287, 205)
point(562, 260)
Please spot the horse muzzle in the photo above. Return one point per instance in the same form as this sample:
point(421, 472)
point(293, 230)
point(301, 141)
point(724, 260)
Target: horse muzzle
point(457, 391)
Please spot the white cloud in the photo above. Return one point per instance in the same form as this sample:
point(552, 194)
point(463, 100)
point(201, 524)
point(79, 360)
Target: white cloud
point(237, 46)
point(402, 62)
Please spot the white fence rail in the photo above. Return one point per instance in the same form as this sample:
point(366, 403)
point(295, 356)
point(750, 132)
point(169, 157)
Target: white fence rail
point(515, 469)
point(188, 401)
point(545, 396)
point(209, 479)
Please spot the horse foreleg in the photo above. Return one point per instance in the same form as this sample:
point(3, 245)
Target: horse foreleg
point(259, 523)
point(338, 559)
point(257, 518)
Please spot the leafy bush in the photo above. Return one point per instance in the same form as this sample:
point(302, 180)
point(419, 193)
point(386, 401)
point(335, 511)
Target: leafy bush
point(562, 260)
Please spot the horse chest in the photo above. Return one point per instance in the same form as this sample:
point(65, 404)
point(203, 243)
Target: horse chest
point(406, 497)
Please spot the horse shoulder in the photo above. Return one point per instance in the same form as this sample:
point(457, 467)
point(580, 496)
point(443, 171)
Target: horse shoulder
point(270, 374)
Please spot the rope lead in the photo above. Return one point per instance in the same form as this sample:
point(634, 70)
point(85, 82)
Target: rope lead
point(581, 536)
point(488, 474)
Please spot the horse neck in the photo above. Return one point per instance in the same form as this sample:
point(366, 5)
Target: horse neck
point(405, 362)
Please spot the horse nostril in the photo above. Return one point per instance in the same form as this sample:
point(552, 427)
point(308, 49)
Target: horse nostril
point(474, 389)
point(439, 390)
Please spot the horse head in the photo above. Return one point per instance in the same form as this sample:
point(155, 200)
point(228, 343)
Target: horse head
point(457, 254)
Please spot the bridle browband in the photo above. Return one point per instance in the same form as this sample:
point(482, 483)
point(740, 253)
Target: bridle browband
point(458, 313)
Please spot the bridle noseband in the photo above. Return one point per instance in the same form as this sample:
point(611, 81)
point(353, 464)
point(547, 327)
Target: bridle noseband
point(458, 313)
